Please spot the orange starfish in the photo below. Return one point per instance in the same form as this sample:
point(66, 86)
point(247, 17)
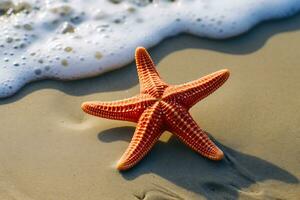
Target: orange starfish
point(161, 107)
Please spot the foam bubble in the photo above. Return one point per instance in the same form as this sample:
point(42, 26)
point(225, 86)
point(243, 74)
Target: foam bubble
point(82, 38)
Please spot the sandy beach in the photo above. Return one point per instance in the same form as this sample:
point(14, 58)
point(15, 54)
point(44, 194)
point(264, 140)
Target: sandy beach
point(50, 149)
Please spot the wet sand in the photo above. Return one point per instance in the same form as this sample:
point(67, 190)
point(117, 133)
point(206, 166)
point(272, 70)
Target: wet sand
point(50, 149)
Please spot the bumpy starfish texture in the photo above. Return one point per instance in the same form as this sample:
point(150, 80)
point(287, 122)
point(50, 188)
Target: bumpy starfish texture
point(161, 107)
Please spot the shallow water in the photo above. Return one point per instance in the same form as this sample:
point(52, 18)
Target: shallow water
point(58, 39)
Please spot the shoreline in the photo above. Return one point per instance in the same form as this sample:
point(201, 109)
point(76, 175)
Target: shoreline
point(252, 40)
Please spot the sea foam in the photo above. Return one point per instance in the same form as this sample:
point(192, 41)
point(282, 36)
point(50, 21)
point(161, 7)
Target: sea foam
point(73, 39)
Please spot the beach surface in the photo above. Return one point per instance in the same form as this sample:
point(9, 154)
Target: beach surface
point(50, 149)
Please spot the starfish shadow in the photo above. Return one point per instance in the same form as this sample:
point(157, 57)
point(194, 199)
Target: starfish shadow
point(237, 175)
point(126, 77)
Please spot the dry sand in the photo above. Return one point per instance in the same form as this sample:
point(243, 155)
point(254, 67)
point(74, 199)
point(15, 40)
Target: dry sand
point(50, 149)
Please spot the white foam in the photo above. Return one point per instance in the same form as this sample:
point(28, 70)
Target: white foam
point(59, 39)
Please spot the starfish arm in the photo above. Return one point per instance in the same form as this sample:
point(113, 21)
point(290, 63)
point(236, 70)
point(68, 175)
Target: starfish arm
point(190, 93)
point(150, 81)
point(148, 131)
point(128, 109)
point(186, 129)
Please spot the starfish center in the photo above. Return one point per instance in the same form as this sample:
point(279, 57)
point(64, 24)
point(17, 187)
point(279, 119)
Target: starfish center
point(159, 99)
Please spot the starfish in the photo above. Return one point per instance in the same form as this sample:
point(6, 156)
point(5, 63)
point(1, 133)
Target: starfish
point(160, 107)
